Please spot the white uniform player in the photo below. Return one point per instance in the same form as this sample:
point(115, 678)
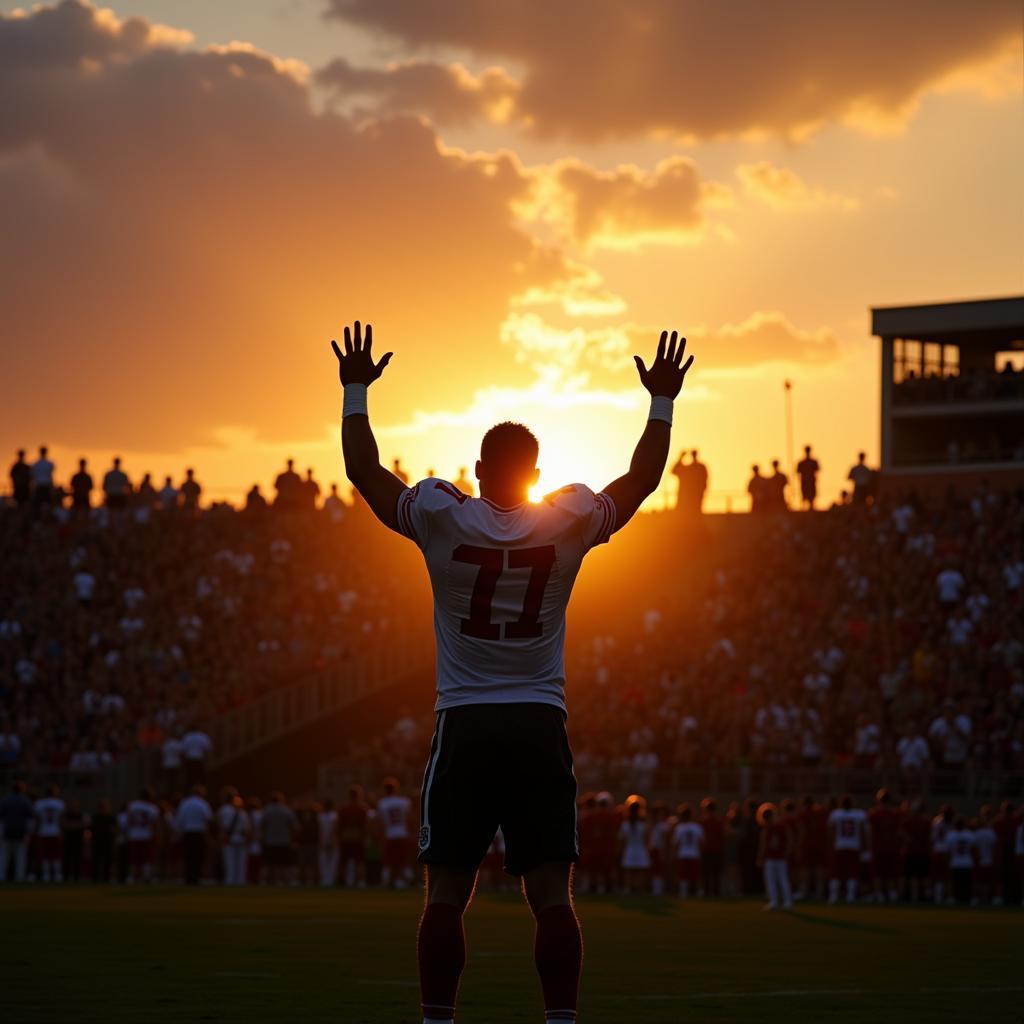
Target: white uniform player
point(849, 826)
point(327, 823)
point(687, 843)
point(48, 814)
point(393, 812)
point(235, 827)
point(140, 825)
point(501, 579)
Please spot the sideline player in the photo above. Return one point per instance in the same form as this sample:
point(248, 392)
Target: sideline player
point(143, 817)
point(502, 570)
point(851, 836)
point(393, 812)
point(48, 813)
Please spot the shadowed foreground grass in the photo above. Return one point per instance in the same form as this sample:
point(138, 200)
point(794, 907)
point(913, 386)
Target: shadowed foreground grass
point(166, 954)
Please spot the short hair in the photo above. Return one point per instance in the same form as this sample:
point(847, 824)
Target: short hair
point(510, 445)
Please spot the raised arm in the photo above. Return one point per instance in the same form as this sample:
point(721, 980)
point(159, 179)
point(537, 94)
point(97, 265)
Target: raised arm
point(357, 371)
point(663, 380)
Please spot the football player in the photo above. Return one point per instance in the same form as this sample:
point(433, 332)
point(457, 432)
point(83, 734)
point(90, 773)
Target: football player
point(502, 569)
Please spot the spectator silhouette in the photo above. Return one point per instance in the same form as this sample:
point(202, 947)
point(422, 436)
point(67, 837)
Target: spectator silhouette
point(861, 477)
point(254, 500)
point(81, 488)
point(463, 483)
point(288, 486)
point(168, 495)
point(310, 491)
point(758, 491)
point(775, 487)
point(396, 468)
point(190, 491)
point(116, 486)
point(807, 469)
point(146, 495)
point(693, 483)
point(21, 480)
point(42, 479)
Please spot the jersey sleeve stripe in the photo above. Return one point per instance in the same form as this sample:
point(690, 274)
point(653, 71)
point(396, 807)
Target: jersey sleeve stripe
point(609, 518)
point(405, 524)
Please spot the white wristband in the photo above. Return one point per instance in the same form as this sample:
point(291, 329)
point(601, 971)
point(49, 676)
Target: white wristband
point(355, 401)
point(661, 408)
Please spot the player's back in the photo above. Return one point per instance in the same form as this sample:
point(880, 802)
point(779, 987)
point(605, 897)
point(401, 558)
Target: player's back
point(393, 811)
point(501, 579)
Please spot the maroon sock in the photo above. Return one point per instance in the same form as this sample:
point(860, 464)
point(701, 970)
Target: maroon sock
point(441, 951)
point(558, 953)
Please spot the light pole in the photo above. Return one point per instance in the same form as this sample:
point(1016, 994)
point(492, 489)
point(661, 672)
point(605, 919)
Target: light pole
point(787, 386)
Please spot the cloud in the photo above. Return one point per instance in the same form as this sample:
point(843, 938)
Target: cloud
point(446, 93)
point(784, 189)
point(599, 69)
point(183, 232)
point(627, 207)
point(601, 357)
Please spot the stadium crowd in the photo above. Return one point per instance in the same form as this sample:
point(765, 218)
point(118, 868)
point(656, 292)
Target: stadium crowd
point(884, 634)
point(793, 851)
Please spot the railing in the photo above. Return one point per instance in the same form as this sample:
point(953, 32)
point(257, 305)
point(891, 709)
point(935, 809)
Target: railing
point(247, 728)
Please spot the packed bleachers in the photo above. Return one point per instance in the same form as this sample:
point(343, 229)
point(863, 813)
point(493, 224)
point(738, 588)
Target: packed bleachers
point(886, 634)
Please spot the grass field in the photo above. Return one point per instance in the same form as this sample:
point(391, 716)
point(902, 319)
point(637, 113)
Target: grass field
point(166, 954)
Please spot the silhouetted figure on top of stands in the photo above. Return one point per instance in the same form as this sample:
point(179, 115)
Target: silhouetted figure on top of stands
point(775, 487)
point(310, 491)
point(693, 483)
point(463, 483)
point(862, 478)
point(254, 500)
point(81, 488)
point(807, 469)
point(145, 496)
point(190, 491)
point(21, 480)
point(288, 486)
point(42, 479)
point(757, 489)
point(117, 488)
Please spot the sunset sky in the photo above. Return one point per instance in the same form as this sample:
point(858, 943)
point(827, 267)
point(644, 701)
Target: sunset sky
point(197, 195)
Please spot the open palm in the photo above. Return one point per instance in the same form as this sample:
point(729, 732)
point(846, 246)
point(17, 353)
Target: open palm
point(355, 364)
point(665, 375)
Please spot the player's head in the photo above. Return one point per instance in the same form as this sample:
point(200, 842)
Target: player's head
point(508, 458)
point(53, 790)
point(636, 806)
point(684, 812)
point(807, 450)
point(81, 464)
point(355, 793)
point(146, 794)
point(709, 805)
point(391, 785)
point(985, 813)
point(846, 803)
point(328, 804)
point(604, 799)
point(882, 796)
point(765, 814)
point(808, 801)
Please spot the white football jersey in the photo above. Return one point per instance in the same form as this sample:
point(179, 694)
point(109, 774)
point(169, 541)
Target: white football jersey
point(849, 827)
point(142, 816)
point(49, 811)
point(394, 815)
point(687, 840)
point(501, 579)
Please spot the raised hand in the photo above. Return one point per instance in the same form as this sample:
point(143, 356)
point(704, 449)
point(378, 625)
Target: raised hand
point(356, 365)
point(666, 373)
